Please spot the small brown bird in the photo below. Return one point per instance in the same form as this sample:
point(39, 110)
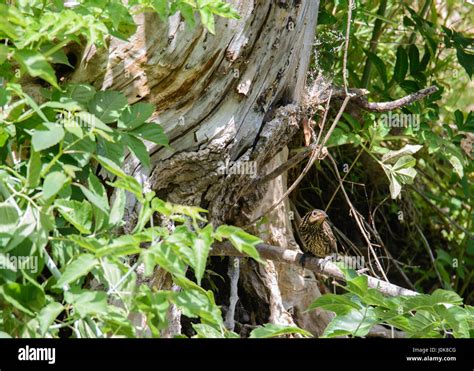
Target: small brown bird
point(317, 234)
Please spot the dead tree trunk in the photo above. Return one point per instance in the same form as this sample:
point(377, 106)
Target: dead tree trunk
point(235, 96)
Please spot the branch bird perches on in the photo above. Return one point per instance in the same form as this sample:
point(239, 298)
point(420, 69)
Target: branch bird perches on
point(321, 266)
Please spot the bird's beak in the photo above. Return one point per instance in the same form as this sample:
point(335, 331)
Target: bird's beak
point(323, 216)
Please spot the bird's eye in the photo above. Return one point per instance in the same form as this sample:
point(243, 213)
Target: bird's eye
point(315, 213)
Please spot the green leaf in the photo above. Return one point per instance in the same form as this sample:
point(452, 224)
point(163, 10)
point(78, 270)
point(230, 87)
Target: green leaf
point(81, 266)
point(358, 285)
point(193, 212)
point(111, 166)
point(222, 9)
point(459, 118)
point(270, 330)
point(112, 148)
point(87, 302)
point(88, 243)
point(379, 64)
point(406, 150)
point(241, 240)
point(27, 298)
point(116, 322)
point(53, 183)
point(151, 132)
point(205, 331)
point(48, 315)
point(161, 7)
point(79, 214)
point(163, 255)
point(456, 319)
point(90, 121)
point(113, 276)
point(131, 185)
point(36, 65)
point(374, 297)
point(428, 302)
point(134, 116)
point(118, 208)
point(108, 105)
point(81, 93)
point(207, 19)
point(425, 60)
point(26, 227)
point(446, 297)
point(457, 165)
point(400, 173)
point(404, 162)
point(120, 246)
point(339, 304)
point(355, 322)
point(423, 325)
point(140, 151)
point(96, 193)
point(410, 86)
point(196, 303)
point(401, 66)
point(9, 218)
point(200, 247)
point(156, 305)
point(3, 53)
point(466, 60)
point(187, 11)
point(414, 55)
point(34, 170)
point(46, 135)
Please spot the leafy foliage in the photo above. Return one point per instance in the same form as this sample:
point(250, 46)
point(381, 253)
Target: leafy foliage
point(440, 314)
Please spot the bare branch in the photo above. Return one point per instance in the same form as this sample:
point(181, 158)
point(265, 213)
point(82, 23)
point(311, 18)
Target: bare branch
point(363, 103)
point(321, 266)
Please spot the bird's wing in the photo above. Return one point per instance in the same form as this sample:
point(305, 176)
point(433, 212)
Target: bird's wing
point(330, 236)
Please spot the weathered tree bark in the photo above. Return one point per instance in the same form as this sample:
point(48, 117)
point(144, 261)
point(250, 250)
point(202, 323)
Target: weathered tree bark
point(234, 96)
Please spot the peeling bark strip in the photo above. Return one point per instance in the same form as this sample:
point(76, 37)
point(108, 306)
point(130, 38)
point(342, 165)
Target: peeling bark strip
point(277, 254)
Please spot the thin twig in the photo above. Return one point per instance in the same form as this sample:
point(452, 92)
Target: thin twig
point(430, 253)
point(356, 215)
